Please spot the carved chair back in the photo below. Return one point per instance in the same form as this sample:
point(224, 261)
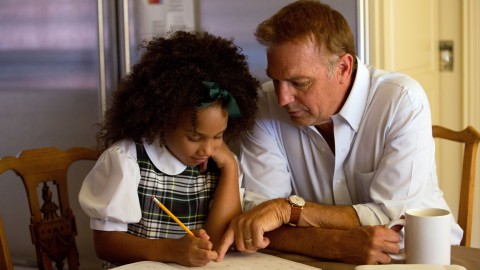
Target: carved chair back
point(52, 225)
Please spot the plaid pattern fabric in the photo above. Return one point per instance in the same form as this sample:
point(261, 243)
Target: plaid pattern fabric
point(186, 195)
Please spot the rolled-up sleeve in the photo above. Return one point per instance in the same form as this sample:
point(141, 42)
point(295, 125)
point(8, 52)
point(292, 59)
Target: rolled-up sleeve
point(109, 192)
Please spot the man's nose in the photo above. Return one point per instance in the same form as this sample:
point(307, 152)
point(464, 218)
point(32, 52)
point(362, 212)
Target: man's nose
point(284, 94)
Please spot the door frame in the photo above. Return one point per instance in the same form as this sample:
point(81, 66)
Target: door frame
point(471, 85)
point(471, 65)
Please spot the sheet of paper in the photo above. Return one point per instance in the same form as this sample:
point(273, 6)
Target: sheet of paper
point(409, 266)
point(157, 17)
point(232, 261)
point(145, 265)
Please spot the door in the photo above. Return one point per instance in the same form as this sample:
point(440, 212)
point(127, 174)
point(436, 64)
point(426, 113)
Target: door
point(394, 45)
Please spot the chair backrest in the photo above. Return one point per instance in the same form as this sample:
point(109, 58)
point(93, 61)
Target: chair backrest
point(5, 259)
point(470, 137)
point(52, 226)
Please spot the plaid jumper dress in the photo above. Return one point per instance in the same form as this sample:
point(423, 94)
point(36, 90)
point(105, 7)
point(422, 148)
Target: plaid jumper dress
point(187, 195)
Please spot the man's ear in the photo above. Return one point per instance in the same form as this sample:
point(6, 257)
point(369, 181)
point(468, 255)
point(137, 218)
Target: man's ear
point(345, 68)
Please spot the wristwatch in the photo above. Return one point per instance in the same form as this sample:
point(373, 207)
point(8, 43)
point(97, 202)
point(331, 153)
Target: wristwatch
point(297, 204)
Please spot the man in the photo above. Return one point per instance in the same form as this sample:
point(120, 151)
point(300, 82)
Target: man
point(354, 141)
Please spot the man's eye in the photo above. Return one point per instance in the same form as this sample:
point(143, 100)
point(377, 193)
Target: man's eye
point(301, 85)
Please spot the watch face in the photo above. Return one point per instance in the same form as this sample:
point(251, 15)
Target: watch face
point(297, 200)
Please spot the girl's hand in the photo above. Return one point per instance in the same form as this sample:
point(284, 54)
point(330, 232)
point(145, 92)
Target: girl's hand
point(223, 156)
point(201, 233)
point(194, 250)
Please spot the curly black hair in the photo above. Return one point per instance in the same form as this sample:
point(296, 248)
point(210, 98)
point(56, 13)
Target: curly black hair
point(167, 80)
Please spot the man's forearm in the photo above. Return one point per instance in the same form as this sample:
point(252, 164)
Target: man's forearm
point(360, 245)
point(325, 245)
point(328, 217)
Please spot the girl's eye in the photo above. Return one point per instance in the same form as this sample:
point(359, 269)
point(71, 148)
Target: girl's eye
point(193, 138)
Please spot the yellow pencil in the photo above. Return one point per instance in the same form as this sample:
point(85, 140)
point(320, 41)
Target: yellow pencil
point(172, 215)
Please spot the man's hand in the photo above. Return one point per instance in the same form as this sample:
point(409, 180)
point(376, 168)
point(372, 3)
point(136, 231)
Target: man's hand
point(247, 230)
point(368, 245)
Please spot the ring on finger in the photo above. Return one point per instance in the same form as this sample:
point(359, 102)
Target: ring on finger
point(248, 240)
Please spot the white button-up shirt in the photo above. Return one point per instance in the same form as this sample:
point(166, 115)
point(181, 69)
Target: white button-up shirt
point(384, 162)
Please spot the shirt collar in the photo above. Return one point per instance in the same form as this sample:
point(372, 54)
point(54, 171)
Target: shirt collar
point(353, 109)
point(163, 159)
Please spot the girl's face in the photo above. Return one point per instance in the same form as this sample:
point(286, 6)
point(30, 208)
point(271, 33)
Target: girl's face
point(193, 147)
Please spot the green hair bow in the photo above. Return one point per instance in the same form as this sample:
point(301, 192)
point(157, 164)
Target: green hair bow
point(214, 93)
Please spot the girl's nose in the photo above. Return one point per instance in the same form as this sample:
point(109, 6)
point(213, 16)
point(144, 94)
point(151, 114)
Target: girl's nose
point(207, 148)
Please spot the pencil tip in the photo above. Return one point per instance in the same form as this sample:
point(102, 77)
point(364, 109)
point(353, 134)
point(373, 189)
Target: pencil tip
point(153, 196)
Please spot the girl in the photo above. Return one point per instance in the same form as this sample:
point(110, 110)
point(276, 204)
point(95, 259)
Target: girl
point(165, 135)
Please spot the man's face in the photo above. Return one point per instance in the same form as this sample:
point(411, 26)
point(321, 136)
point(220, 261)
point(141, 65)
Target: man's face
point(303, 84)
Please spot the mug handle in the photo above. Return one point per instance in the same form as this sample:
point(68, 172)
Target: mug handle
point(401, 255)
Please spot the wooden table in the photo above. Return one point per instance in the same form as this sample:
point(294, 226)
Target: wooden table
point(466, 257)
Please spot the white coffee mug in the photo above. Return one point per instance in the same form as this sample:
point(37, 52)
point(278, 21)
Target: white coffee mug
point(427, 236)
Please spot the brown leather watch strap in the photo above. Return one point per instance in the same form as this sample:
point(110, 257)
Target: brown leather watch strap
point(295, 214)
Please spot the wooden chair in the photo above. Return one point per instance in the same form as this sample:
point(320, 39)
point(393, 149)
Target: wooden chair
point(52, 227)
point(470, 137)
point(5, 258)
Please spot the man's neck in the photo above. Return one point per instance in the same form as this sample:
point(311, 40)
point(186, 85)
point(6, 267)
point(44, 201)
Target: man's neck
point(326, 129)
